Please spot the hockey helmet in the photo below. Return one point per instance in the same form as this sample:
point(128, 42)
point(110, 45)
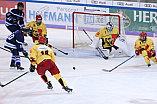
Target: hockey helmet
point(38, 17)
point(144, 35)
point(20, 4)
point(109, 26)
point(25, 29)
point(42, 39)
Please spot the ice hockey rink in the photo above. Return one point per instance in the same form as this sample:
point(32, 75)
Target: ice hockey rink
point(131, 83)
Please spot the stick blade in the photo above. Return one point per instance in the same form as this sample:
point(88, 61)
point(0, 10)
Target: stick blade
point(106, 70)
point(1, 84)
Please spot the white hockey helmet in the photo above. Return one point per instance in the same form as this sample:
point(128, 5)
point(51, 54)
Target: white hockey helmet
point(109, 26)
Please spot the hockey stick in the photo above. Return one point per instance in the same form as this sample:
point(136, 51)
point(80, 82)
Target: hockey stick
point(118, 65)
point(9, 51)
point(66, 53)
point(98, 49)
point(15, 78)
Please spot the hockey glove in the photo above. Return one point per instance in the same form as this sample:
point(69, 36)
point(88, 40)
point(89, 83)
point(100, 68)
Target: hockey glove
point(137, 52)
point(32, 68)
point(25, 53)
point(153, 53)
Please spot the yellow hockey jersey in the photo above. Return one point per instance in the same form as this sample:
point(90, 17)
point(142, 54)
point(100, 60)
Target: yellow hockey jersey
point(108, 39)
point(146, 45)
point(37, 30)
point(41, 52)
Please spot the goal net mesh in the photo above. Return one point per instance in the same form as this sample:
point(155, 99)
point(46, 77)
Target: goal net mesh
point(91, 23)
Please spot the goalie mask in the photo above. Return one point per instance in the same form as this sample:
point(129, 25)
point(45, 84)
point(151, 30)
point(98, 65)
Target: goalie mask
point(109, 26)
point(143, 36)
point(38, 19)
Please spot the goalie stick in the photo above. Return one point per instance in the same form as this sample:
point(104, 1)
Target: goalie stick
point(118, 65)
point(66, 53)
point(98, 49)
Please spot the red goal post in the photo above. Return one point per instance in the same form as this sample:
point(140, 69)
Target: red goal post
point(92, 22)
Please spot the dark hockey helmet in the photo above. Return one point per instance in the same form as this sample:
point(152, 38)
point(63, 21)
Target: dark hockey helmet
point(109, 26)
point(42, 39)
point(25, 29)
point(144, 35)
point(20, 4)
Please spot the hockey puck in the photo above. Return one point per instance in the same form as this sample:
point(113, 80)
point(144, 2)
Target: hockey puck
point(74, 68)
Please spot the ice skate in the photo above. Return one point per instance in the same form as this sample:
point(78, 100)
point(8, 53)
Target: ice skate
point(66, 88)
point(19, 67)
point(49, 85)
point(12, 65)
point(149, 64)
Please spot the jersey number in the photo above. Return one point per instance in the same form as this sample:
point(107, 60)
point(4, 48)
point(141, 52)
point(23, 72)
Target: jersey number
point(44, 52)
point(11, 36)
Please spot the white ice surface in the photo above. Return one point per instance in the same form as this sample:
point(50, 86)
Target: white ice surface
point(131, 83)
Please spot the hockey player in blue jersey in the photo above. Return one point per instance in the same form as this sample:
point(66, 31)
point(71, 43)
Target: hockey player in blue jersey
point(14, 19)
point(15, 16)
point(14, 43)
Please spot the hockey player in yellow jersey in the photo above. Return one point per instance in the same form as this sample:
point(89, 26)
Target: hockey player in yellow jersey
point(145, 46)
point(44, 57)
point(108, 34)
point(37, 28)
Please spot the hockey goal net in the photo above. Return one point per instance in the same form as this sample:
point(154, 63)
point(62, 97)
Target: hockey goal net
point(91, 23)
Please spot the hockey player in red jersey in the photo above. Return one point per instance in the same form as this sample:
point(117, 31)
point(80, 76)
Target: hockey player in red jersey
point(44, 57)
point(145, 46)
point(37, 29)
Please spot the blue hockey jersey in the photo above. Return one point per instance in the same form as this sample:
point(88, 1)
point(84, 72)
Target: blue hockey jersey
point(15, 41)
point(13, 17)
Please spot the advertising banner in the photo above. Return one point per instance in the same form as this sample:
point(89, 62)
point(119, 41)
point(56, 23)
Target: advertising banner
point(75, 1)
point(148, 5)
point(50, 0)
point(52, 14)
point(99, 2)
point(135, 20)
point(126, 4)
point(6, 6)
